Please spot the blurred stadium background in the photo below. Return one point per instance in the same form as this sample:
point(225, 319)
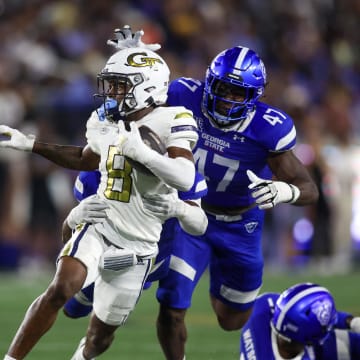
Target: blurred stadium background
point(50, 53)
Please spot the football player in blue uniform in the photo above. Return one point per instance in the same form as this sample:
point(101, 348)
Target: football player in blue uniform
point(244, 151)
point(93, 210)
point(301, 323)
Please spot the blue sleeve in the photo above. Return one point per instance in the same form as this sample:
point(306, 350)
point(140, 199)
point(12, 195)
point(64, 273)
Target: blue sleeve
point(197, 191)
point(341, 320)
point(174, 93)
point(187, 92)
point(86, 184)
point(274, 128)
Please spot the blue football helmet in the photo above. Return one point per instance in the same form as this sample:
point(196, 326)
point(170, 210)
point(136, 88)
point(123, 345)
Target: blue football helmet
point(234, 81)
point(305, 313)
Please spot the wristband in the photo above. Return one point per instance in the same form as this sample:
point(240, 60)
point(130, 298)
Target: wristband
point(295, 193)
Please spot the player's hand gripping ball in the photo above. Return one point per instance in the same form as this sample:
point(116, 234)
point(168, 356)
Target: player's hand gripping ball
point(137, 143)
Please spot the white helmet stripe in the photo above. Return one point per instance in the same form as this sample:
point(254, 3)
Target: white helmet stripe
point(240, 59)
point(294, 300)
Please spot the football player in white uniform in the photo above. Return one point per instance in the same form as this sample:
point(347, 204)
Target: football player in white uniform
point(117, 252)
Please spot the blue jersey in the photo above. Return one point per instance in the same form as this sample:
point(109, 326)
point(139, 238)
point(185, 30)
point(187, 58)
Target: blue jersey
point(224, 156)
point(258, 341)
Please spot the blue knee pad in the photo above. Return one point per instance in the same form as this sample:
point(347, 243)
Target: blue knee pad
point(80, 305)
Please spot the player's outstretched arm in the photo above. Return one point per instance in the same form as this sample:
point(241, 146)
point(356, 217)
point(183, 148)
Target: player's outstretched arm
point(15, 139)
point(67, 156)
point(191, 217)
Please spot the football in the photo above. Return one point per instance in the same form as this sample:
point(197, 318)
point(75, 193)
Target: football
point(152, 140)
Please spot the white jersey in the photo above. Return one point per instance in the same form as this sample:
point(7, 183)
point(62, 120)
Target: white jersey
point(128, 224)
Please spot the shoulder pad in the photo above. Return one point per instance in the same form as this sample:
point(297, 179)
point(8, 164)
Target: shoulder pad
point(183, 125)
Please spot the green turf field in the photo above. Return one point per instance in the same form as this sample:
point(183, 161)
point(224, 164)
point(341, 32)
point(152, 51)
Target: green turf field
point(137, 340)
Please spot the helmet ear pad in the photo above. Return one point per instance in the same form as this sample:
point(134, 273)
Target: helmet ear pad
point(305, 313)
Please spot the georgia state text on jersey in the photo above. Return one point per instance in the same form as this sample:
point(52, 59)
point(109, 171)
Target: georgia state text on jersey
point(224, 155)
point(124, 186)
point(258, 339)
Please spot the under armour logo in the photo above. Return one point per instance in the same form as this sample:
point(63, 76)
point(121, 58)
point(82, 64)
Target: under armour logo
point(241, 138)
point(251, 226)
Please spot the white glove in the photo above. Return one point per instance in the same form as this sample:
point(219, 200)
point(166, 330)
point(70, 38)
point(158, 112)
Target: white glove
point(90, 210)
point(268, 193)
point(165, 206)
point(130, 143)
point(126, 39)
point(355, 324)
point(16, 139)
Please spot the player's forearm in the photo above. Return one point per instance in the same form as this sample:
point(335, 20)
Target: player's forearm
point(66, 156)
point(309, 193)
point(287, 168)
point(178, 173)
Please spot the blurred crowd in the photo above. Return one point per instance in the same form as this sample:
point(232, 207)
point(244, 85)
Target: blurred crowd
point(51, 52)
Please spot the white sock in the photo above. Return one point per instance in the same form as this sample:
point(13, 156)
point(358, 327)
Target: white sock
point(78, 355)
point(7, 357)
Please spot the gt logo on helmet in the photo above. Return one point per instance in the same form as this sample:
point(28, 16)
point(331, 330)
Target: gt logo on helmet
point(144, 60)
